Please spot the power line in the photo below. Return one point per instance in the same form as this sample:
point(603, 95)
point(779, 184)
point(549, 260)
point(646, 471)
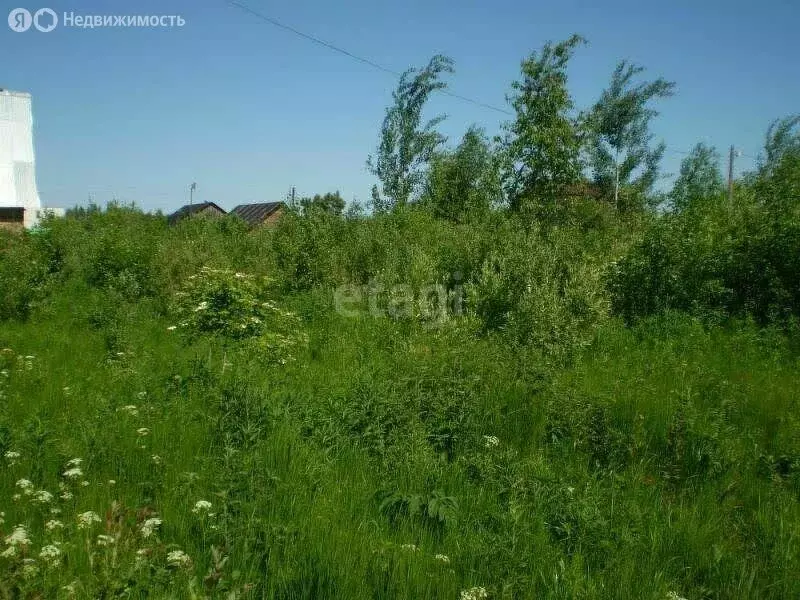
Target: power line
point(361, 59)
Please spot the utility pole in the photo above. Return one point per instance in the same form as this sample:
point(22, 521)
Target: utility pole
point(292, 195)
point(192, 188)
point(730, 176)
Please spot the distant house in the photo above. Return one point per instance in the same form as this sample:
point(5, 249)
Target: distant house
point(256, 215)
point(204, 209)
point(12, 217)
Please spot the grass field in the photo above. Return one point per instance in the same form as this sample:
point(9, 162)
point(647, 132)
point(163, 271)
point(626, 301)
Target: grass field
point(373, 457)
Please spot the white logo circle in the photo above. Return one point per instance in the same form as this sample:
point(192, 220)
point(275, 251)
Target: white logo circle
point(20, 20)
point(53, 20)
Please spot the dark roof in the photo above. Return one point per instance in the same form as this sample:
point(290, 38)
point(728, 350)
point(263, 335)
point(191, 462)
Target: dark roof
point(254, 214)
point(190, 209)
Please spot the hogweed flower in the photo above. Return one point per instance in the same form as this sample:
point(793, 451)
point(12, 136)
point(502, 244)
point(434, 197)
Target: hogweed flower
point(491, 441)
point(87, 519)
point(73, 473)
point(130, 409)
point(29, 568)
point(43, 497)
point(443, 557)
point(18, 537)
point(26, 486)
point(149, 527)
point(105, 540)
point(409, 547)
point(50, 554)
point(178, 558)
point(53, 524)
point(201, 506)
point(12, 457)
point(75, 462)
point(474, 593)
point(143, 431)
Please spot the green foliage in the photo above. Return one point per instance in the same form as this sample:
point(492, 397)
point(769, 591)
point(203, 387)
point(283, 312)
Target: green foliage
point(235, 306)
point(406, 144)
point(716, 260)
point(464, 184)
point(542, 145)
point(331, 203)
point(699, 178)
point(621, 156)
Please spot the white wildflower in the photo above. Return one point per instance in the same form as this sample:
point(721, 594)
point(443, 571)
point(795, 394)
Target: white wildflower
point(71, 588)
point(18, 537)
point(410, 547)
point(491, 441)
point(26, 486)
point(43, 497)
point(87, 519)
point(674, 596)
point(85, 483)
point(156, 459)
point(12, 457)
point(104, 540)
point(75, 462)
point(178, 558)
point(16, 497)
point(202, 306)
point(443, 557)
point(149, 527)
point(9, 552)
point(65, 495)
point(172, 328)
point(201, 506)
point(29, 568)
point(131, 409)
point(73, 473)
point(143, 431)
point(474, 593)
point(53, 524)
point(50, 554)
point(55, 510)
point(112, 482)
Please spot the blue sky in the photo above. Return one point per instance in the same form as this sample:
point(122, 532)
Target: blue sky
point(248, 110)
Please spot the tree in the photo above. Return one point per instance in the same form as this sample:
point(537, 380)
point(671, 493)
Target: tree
point(406, 145)
point(699, 177)
point(465, 182)
point(542, 145)
point(777, 182)
point(620, 133)
point(783, 138)
point(332, 204)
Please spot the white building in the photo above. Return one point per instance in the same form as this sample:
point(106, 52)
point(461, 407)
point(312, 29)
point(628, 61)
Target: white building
point(17, 165)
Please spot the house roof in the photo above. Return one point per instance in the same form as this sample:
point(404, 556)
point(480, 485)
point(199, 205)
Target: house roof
point(254, 214)
point(190, 209)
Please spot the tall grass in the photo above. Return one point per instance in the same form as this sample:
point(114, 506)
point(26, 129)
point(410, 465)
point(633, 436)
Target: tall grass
point(521, 450)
